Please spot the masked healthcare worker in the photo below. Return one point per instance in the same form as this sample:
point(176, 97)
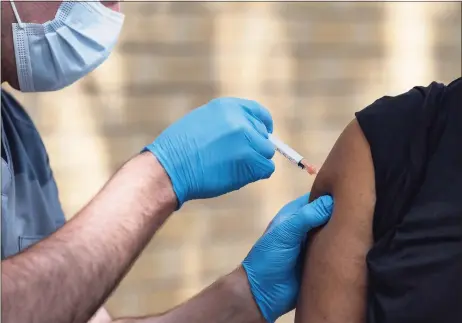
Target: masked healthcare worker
point(57, 272)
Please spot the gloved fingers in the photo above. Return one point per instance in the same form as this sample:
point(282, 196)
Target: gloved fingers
point(296, 204)
point(257, 124)
point(289, 209)
point(261, 144)
point(303, 247)
point(261, 168)
point(259, 112)
point(313, 215)
point(299, 265)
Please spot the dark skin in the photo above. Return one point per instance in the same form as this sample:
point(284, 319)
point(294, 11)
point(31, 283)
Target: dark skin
point(334, 281)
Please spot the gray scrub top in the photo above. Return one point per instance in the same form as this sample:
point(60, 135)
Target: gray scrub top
point(31, 209)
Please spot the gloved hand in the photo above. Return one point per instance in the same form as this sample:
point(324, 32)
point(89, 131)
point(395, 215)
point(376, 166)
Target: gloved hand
point(273, 266)
point(217, 148)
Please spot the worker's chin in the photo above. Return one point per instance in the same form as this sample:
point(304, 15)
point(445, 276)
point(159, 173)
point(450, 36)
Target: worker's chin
point(113, 5)
point(14, 84)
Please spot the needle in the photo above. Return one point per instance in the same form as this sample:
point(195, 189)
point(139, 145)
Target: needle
point(292, 155)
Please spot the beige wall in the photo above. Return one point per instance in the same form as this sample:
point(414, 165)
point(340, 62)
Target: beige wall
point(312, 64)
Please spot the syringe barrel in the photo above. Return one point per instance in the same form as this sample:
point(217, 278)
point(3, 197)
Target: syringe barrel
point(285, 150)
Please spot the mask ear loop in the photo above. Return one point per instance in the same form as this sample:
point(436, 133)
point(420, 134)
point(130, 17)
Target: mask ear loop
point(18, 19)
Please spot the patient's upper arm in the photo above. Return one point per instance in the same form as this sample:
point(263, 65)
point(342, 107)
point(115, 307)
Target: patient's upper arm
point(334, 279)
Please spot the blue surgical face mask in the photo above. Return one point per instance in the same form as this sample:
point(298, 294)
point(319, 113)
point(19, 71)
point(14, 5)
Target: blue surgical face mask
point(55, 54)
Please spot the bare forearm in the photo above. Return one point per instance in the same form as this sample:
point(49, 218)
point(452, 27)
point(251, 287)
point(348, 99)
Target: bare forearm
point(334, 282)
point(228, 300)
point(68, 276)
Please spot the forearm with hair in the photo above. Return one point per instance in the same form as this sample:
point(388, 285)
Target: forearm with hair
point(69, 275)
point(228, 300)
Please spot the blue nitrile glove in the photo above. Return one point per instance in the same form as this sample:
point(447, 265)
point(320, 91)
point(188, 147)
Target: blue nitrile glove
point(217, 148)
point(273, 266)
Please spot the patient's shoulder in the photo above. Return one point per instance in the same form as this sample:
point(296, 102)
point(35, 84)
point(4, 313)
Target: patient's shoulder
point(335, 275)
point(348, 171)
point(356, 173)
point(389, 124)
point(365, 152)
point(373, 150)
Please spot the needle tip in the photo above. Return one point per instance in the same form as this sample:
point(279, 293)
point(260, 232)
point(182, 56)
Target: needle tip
point(311, 169)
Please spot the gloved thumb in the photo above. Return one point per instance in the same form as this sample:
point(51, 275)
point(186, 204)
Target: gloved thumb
point(314, 214)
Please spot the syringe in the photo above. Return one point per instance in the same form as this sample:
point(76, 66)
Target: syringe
point(292, 155)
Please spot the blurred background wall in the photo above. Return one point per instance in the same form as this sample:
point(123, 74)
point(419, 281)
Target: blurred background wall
point(312, 64)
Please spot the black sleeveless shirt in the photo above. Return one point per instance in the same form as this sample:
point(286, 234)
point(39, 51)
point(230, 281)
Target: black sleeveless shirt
point(415, 264)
